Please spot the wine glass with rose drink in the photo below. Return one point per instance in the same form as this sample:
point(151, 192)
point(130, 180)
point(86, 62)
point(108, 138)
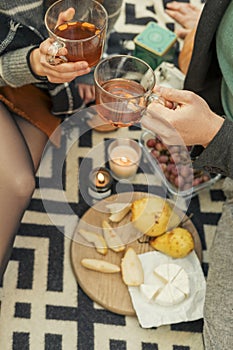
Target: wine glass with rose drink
point(124, 87)
point(79, 26)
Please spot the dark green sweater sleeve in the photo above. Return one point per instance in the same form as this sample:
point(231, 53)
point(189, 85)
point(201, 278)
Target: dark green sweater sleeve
point(218, 156)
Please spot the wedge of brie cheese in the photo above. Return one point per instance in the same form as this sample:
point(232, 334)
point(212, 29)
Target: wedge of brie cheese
point(171, 286)
point(181, 282)
point(167, 272)
point(150, 290)
point(169, 295)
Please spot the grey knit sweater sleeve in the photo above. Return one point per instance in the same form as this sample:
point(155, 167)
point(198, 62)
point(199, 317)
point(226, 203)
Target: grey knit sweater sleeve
point(218, 156)
point(15, 70)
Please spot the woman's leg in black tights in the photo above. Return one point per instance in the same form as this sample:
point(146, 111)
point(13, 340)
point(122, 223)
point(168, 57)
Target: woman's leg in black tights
point(21, 147)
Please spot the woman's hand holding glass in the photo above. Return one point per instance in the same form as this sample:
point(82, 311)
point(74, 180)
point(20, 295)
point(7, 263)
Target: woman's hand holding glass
point(184, 113)
point(61, 73)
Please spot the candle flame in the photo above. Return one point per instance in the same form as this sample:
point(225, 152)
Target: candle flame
point(100, 178)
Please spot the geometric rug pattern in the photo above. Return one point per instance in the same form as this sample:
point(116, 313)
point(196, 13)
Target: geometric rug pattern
point(42, 305)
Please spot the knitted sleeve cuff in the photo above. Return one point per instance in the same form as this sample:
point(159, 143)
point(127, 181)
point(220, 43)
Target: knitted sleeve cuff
point(38, 77)
point(218, 156)
point(15, 70)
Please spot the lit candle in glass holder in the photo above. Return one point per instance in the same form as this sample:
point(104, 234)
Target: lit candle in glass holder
point(100, 182)
point(124, 156)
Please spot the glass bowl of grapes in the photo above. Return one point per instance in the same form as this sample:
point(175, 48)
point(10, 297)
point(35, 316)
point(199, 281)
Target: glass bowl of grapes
point(175, 165)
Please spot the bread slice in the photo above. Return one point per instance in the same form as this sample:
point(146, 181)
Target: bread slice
point(112, 239)
point(95, 238)
point(100, 265)
point(118, 211)
point(131, 268)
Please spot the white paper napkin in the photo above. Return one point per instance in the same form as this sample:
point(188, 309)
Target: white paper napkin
point(151, 314)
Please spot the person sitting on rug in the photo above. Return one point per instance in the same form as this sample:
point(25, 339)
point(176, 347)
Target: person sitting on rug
point(32, 94)
point(26, 78)
point(34, 98)
point(202, 114)
point(186, 14)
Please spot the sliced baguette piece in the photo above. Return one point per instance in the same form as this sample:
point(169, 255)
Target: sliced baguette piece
point(116, 207)
point(131, 268)
point(95, 238)
point(118, 211)
point(100, 265)
point(112, 239)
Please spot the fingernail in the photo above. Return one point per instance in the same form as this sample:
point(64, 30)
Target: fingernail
point(82, 65)
point(85, 65)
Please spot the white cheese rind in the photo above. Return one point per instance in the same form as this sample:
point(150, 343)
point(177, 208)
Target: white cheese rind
point(167, 272)
point(181, 282)
point(171, 286)
point(169, 295)
point(150, 290)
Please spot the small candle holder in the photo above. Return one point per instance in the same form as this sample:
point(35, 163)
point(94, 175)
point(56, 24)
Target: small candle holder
point(124, 157)
point(100, 182)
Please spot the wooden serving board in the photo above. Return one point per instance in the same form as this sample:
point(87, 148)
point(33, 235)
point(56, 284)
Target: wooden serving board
point(108, 290)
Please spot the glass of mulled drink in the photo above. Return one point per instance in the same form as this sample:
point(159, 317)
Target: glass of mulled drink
point(124, 86)
point(79, 26)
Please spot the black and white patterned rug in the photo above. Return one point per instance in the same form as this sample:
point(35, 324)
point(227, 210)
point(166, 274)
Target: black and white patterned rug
point(42, 306)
